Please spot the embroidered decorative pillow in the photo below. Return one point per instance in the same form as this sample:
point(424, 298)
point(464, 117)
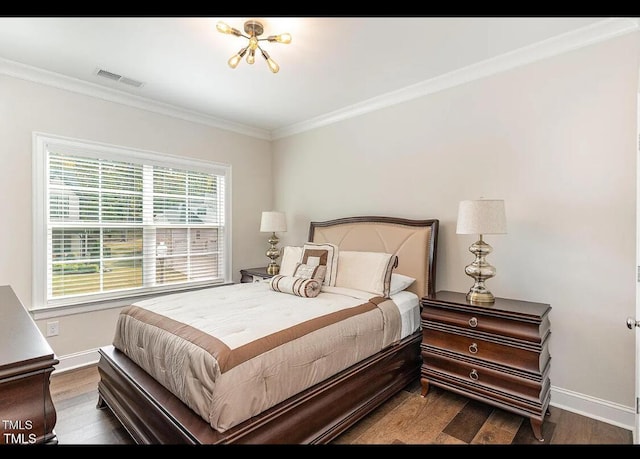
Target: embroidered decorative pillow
point(291, 256)
point(366, 271)
point(306, 288)
point(325, 254)
point(316, 272)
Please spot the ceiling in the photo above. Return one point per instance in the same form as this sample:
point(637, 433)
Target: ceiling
point(333, 64)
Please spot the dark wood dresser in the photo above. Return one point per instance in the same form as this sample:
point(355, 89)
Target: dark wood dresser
point(498, 354)
point(27, 414)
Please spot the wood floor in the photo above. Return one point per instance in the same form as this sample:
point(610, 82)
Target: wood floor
point(440, 418)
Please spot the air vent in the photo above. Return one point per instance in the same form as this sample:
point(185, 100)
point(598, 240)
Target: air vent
point(119, 78)
point(131, 82)
point(111, 76)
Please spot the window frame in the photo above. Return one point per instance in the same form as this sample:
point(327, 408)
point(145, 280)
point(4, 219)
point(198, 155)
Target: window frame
point(42, 143)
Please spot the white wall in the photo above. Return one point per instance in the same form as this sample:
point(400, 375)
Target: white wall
point(26, 107)
point(557, 140)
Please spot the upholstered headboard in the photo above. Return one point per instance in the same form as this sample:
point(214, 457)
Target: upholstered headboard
point(415, 243)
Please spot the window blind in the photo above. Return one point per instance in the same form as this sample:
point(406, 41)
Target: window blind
point(118, 227)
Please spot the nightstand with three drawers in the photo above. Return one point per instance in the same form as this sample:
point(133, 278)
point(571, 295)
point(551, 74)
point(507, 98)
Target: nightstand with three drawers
point(496, 353)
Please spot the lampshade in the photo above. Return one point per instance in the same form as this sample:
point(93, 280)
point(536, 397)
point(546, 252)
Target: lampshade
point(273, 222)
point(483, 216)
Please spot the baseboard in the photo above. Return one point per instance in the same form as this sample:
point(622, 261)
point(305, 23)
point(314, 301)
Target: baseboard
point(591, 407)
point(77, 360)
point(595, 408)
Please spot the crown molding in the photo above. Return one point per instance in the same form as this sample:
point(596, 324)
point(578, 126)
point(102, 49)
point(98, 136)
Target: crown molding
point(45, 77)
point(597, 32)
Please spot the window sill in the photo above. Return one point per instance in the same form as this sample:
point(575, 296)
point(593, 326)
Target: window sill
point(50, 312)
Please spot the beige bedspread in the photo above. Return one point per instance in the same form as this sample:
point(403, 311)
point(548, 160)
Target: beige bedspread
point(232, 352)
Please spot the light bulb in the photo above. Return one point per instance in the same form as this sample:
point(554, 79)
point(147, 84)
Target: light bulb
point(272, 65)
point(282, 38)
point(270, 62)
point(224, 28)
point(251, 57)
point(235, 59)
point(253, 43)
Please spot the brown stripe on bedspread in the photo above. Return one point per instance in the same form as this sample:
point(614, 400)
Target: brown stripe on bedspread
point(209, 343)
point(228, 358)
point(266, 343)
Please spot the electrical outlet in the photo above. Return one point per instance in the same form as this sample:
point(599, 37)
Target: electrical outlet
point(52, 328)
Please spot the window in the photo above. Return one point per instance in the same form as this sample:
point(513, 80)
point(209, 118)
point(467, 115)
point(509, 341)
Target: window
point(113, 223)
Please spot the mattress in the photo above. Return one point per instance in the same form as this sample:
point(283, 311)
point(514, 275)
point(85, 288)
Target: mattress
point(408, 304)
point(231, 352)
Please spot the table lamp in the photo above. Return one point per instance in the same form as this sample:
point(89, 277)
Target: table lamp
point(273, 222)
point(484, 216)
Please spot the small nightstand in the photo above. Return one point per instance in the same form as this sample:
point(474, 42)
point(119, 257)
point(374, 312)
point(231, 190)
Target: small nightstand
point(497, 353)
point(254, 274)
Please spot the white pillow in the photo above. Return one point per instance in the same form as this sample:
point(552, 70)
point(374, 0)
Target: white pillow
point(291, 256)
point(400, 282)
point(322, 254)
point(367, 271)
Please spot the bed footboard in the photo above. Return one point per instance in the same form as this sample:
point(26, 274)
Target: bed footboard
point(152, 415)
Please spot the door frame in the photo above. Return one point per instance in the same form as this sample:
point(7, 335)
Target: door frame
point(636, 429)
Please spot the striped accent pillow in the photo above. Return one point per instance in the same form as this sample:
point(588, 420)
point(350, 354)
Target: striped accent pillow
point(306, 288)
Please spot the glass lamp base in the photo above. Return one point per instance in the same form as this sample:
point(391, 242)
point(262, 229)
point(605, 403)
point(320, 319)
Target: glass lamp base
point(480, 271)
point(273, 254)
point(480, 297)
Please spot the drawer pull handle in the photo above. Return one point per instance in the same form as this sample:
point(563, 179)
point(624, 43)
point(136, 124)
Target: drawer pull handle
point(473, 322)
point(473, 348)
point(473, 375)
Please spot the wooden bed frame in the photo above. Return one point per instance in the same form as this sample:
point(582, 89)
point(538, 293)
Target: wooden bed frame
point(152, 415)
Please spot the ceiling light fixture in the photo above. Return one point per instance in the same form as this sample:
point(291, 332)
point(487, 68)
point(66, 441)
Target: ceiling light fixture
point(254, 29)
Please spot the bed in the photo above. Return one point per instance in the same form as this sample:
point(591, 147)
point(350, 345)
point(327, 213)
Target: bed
point(157, 413)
